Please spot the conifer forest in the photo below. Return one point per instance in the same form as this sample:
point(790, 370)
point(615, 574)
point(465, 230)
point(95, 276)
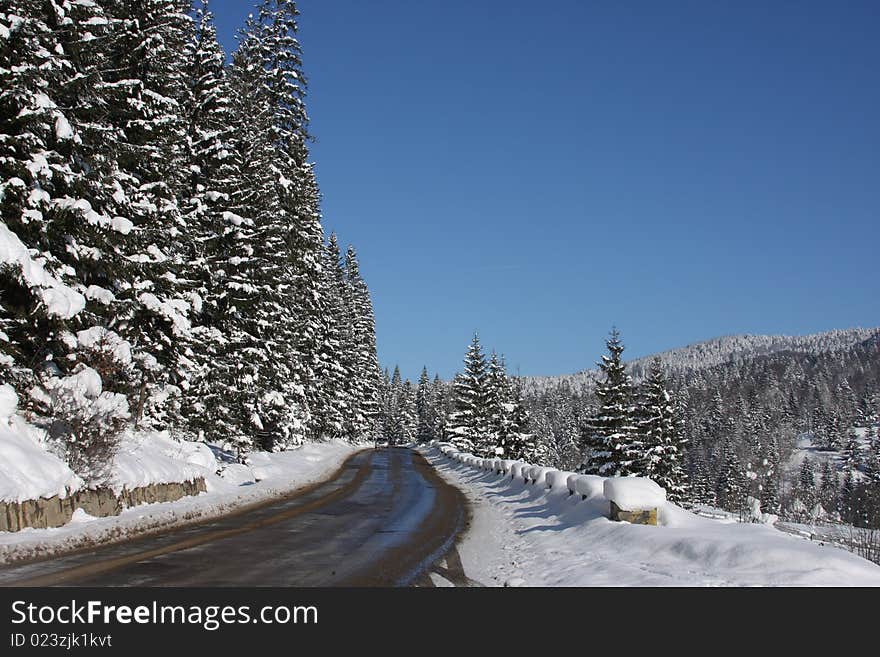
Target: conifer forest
point(165, 267)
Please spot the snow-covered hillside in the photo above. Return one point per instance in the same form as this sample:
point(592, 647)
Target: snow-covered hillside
point(714, 352)
point(528, 534)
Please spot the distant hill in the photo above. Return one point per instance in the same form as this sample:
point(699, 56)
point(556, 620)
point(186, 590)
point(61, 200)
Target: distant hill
point(716, 351)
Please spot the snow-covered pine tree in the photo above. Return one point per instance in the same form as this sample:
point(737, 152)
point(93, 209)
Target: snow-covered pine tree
point(806, 486)
point(335, 362)
point(467, 425)
point(846, 501)
point(614, 448)
point(852, 451)
point(408, 416)
point(60, 240)
point(274, 275)
point(496, 441)
point(145, 89)
point(661, 435)
point(401, 420)
point(732, 486)
point(770, 484)
point(424, 429)
point(829, 487)
point(37, 147)
point(438, 405)
point(365, 397)
point(206, 396)
point(520, 443)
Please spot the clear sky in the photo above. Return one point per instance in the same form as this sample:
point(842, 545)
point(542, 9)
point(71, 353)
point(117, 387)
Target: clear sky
point(539, 171)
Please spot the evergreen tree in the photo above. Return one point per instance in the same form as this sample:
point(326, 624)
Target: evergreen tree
point(498, 409)
point(335, 367)
point(210, 136)
point(613, 443)
point(468, 425)
point(732, 485)
point(661, 435)
point(425, 429)
point(364, 416)
point(520, 442)
point(439, 399)
point(852, 454)
point(806, 490)
point(829, 487)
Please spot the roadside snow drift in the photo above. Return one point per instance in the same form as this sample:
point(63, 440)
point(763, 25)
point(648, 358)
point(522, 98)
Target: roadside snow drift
point(531, 534)
point(27, 470)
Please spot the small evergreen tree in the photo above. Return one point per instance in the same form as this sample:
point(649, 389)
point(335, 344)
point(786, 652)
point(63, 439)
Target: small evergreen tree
point(425, 429)
point(614, 448)
point(661, 435)
point(468, 425)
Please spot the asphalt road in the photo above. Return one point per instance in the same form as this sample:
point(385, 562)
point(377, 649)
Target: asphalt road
point(385, 518)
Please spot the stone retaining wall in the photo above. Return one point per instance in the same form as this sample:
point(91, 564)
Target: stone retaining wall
point(100, 502)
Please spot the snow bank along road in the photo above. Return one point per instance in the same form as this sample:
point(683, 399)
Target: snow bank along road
point(536, 533)
point(383, 519)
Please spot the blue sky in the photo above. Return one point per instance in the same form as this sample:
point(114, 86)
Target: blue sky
point(541, 171)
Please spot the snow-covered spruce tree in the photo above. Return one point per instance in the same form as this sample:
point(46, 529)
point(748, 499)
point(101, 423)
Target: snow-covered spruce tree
point(336, 357)
point(507, 417)
point(424, 429)
point(847, 505)
point(805, 489)
point(829, 487)
point(613, 445)
point(407, 416)
point(521, 442)
point(852, 451)
point(273, 270)
point(62, 239)
point(700, 477)
point(37, 299)
point(467, 425)
point(400, 418)
point(732, 485)
point(207, 400)
point(498, 409)
point(661, 435)
point(363, 418)
point(439, 404)
point(145, 88)
point(770, 484)
point(155, 195)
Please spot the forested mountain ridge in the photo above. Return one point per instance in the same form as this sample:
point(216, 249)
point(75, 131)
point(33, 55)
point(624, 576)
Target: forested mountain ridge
point(712, 352)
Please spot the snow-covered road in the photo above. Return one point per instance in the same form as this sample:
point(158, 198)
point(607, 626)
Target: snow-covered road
point(381, 520)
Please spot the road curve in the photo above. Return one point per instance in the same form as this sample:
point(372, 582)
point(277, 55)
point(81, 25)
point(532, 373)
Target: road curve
point(382, 520)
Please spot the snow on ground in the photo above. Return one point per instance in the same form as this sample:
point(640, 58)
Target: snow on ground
point(27, 470)
point(526, 534)
point(153, 457)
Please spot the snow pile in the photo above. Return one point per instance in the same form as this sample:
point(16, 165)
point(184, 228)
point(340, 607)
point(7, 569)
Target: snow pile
point(634, 493)
point(587, 486)
point(153, 457)
point(8, 402)
point(558, 479)
point(27, 470)
point(79, 400)
point(546, 536)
